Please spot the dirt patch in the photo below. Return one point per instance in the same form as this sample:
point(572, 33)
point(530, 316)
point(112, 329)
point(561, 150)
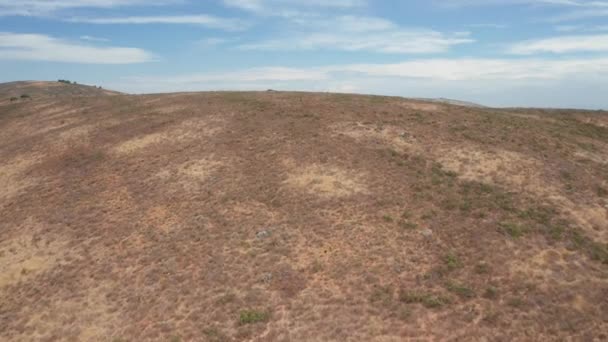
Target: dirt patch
point(187, 131)
point(13, 178)
point(493, 166)
point(89, 316)
point(396, 137)
point(189, 176)
point(425, 107)
point(139, 143)
point(597, 157)
point(327, 181)
point(25, 256)
point(593, 219)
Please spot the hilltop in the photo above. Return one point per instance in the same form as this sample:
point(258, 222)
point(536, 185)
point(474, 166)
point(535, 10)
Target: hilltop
point(46, 89)
point(278, 216)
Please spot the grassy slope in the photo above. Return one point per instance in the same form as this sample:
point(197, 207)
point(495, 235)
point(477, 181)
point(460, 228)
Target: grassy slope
point(294, 216)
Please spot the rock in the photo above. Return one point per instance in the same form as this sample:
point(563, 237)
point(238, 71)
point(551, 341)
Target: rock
point(427, 233)
point(266, 278)
point(262, 234)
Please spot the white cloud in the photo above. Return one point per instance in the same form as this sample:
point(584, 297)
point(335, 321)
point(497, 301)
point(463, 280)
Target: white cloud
point(563, 44)
point(39, 47)
point(47, 7)
point(200, 19)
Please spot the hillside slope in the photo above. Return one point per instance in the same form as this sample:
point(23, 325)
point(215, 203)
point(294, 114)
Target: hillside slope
point(300, 217)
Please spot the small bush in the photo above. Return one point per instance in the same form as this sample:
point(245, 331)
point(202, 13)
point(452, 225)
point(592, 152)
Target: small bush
point(408, 225)
point(253, 316)
point(13, 99)
point(25, 96)
point(461, 290)
point(491, 293)
point(512, 229)
point(452, 261)
point(428, 300)
point(64, 81)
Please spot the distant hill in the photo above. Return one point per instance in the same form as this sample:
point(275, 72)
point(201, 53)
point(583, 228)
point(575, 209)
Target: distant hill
point(453, 102)
point(46, 89)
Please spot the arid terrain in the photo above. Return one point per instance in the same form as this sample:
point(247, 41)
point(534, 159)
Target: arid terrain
point(284, 216)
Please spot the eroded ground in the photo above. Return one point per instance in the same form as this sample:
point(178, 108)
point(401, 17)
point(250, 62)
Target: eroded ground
point(300, 217)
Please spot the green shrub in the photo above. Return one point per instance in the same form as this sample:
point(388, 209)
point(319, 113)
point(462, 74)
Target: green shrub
point(428, 300)
point(253, 316)
point(512, 229)
point(461, 290)
point(452, 261)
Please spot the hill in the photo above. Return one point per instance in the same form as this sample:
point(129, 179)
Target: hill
point(45, 89)
point(281, 216)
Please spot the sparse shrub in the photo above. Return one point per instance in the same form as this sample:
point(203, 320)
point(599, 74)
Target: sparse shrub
point(426, 299)
point(516, 302)
point(64, 81)
point(482, 268)
point(408, 225)
point(383, 295)
point(387, 218)
point(512, 229)
point(25, 96)
point(461, 290)
point(556, 232)
point(601, 191)
point(13, 99)
point(452, 262)
point(316, 267)
point(491, 293)
point(253, 316)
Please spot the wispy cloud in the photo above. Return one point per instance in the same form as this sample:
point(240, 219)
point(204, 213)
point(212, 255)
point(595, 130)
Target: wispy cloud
point(579, 14)
point(39, 47)
point(200, 19)
point(260, 6)
point(290, 9)
point(464, 69)
point(562, 3)
point(488, 25)
point(562, 44)
point(530, 81)
point(48, 7)
point(353, 33)
point(94, 39)
point(581, 28)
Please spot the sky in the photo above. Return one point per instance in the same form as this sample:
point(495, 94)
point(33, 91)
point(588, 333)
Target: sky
point(524, 53)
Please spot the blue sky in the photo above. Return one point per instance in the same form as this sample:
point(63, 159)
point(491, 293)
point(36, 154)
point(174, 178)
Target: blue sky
point(549, 53)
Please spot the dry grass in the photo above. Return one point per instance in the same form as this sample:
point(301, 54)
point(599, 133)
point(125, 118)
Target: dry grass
point(326, 181)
